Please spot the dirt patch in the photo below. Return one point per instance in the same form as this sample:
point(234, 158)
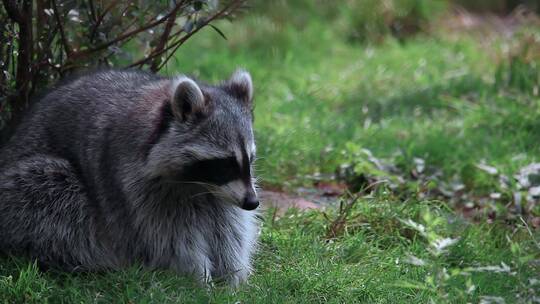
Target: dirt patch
point(284, 201)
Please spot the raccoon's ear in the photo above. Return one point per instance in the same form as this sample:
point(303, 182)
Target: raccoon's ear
point(241, 86)
point(187, 99)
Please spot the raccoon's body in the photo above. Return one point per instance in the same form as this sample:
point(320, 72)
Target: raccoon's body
point(119, 168)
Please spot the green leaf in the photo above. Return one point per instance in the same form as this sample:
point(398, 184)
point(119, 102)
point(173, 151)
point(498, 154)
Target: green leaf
point(218, 31)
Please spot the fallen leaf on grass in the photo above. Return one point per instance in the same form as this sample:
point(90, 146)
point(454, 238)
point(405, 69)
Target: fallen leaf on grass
point(488, 169)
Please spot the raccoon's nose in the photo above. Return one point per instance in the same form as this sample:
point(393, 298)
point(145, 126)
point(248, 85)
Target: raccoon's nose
point(250, 202)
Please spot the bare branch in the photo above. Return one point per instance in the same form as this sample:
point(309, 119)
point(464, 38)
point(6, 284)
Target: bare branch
point(164, 37)
point(126, 35)
point(155, 52)
point(61, 29)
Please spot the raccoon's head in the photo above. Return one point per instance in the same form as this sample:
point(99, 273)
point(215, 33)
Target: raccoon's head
point(206, 139)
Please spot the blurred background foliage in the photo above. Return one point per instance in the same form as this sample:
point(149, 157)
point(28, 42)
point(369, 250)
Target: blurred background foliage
point(370, 21)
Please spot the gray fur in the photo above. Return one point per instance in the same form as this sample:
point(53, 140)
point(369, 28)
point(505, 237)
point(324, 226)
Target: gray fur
point(88, 180)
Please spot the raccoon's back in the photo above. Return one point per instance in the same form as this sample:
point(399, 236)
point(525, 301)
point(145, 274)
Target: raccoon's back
point(83, 99)
point(67, 120)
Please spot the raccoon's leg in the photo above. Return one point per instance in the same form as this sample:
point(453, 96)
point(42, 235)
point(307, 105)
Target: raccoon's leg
point(45, 214)
point(191, 256)
point(235, 245)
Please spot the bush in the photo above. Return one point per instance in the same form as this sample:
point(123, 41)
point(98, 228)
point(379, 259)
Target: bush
point(43, 40)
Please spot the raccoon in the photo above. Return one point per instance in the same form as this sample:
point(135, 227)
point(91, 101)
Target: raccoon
point(121, 167)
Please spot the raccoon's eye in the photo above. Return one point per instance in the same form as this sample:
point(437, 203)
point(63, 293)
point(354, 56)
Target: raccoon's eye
point(217, 171)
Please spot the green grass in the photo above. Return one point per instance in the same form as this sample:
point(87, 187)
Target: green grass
point(317, 95)
point(367, 263)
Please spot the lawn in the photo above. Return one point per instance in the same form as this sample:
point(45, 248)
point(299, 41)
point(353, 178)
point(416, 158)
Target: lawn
point(322, 100)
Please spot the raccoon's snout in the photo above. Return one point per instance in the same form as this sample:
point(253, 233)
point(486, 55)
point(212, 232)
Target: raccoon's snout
point(241, 194)
point(251, 202)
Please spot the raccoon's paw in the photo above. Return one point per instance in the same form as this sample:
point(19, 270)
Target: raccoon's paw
point(203, 275)
point(238, 277)
point(206, 277)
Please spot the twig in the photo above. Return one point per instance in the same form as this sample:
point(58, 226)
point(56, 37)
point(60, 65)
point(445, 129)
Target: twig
point(530, 232)
point(336, 227)
point(274, 216)
point(61, 29)
point(100, 18)
point(375, 183)
point(92, 10)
